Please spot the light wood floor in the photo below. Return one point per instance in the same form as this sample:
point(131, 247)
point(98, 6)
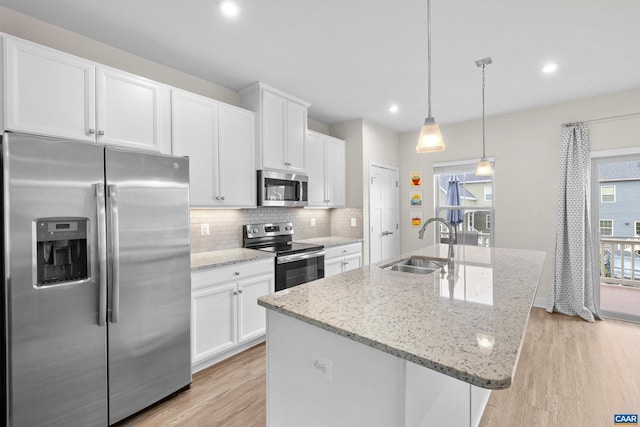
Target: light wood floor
point(571, 373)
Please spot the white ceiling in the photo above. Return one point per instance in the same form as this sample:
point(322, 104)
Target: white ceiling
point(353, 58)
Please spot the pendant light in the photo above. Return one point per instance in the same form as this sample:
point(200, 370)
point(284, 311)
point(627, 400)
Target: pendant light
point(484, 167)
point(430, 137)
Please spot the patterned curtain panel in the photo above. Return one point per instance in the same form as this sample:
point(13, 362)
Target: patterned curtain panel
point(573, 289)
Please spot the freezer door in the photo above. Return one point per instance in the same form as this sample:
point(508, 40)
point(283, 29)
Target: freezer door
point(150, 285)
point(55, 347)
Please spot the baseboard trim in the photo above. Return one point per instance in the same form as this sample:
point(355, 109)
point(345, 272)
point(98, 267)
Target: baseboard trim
point(205, 363)
point(540, 302)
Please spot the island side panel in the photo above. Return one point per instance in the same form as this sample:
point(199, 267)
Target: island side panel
point(361, 386)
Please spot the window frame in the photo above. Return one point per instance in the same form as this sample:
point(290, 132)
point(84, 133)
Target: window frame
point(466, 169)
point(488, 193)
point(600, 227)
point(613, 187)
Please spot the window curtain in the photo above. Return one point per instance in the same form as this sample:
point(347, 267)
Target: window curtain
point(573, 289)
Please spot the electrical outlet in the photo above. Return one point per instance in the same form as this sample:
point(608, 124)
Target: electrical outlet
point(353, 222)
point(321, 366)
point(313, 222)
point(204, 229)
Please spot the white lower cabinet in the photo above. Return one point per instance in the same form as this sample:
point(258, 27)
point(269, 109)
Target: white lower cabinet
point(224, 309)
point(340, 259)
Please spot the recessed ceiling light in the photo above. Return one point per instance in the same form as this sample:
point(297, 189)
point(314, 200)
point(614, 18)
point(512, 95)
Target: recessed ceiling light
point(550, 68)
point(393, 109)
point(229, 8)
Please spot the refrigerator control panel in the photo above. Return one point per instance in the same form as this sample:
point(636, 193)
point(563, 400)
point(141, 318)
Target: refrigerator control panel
point(62, 254)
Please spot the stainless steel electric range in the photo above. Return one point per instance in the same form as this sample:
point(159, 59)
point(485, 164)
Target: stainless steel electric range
point(295, 263)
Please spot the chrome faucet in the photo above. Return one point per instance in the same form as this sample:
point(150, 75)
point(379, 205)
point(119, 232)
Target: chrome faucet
point(449, 259)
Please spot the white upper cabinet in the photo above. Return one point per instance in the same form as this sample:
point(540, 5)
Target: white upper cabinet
point(52, 93)
point(219, 140)
point(236, 156)
point(133, 111)
point(281, 127)
point(48, 92)
point(326, 170)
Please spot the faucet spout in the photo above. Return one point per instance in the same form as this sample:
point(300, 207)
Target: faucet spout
point(449, 259)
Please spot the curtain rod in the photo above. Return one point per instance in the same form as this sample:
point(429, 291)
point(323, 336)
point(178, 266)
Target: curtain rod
point(622, 116)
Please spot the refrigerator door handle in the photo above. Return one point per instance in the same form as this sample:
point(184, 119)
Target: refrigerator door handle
point(115, 254)
point(102, 254)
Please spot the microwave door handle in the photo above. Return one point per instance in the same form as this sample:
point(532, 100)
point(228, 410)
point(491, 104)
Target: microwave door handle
point(115, 258)
point(102, 254)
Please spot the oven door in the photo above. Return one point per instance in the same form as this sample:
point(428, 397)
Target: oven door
point(293, 270)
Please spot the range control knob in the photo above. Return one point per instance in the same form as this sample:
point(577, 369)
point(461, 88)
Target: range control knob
point(288, 228)
point(255, 230)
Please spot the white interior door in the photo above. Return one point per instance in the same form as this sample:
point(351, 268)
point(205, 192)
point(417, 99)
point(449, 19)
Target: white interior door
point(384, 215)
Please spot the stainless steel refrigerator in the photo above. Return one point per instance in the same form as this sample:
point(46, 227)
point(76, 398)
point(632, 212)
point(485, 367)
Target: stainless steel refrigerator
point(96, 281)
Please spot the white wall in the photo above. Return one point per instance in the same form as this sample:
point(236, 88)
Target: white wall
point(366, 143)
point(28, 28)
point(526, 146)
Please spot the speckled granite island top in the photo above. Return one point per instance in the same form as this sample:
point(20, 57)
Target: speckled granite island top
point(468, 325)
point(213, 259)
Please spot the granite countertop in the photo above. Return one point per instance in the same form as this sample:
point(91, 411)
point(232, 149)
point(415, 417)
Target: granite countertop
point(329, 241)
point(468, 325)
point(204, 260)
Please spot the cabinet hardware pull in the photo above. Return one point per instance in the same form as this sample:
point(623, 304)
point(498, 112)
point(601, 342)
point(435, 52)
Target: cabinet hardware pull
point(235, 293)
point(222, 198)
point(240, 291)
point(91, 131)
point(100, 133)
point(236, 273)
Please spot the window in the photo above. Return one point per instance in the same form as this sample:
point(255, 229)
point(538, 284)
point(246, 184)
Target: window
point(637, 227)
point(474, 205)
point(606, 227)
point(608, 193)
point(488, 193)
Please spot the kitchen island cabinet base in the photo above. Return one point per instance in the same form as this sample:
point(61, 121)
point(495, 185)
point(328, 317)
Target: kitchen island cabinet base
point(317, 378)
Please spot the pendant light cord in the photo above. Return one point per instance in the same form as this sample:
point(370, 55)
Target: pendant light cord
point(429, 57)
point(483, 154)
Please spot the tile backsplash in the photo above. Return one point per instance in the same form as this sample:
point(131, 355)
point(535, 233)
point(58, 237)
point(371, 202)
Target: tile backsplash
point(225, 225)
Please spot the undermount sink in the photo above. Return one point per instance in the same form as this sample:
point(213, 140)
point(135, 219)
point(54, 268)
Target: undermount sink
point(416, 265)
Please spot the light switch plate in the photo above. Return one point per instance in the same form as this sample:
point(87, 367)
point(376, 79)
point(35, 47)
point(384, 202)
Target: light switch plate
point(204, 229)
point(353, 222)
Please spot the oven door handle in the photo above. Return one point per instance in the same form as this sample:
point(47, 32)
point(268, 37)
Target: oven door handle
point(299, 257)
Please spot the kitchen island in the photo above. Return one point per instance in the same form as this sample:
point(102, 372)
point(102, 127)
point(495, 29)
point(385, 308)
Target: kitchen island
point(378, 347)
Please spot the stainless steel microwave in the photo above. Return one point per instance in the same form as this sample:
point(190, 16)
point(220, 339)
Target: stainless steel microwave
point(282, 189)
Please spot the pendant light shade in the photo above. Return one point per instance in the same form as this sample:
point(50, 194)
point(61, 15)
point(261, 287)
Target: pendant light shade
point(430, 137)
point(484, 166)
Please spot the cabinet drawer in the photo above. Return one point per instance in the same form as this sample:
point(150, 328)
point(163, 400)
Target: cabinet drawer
point(234, 272)
point(343, 250)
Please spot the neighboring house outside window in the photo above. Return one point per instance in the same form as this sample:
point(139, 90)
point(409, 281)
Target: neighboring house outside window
point(637, 228)
point(608, 193)
point(606, 227)
point(476, 202)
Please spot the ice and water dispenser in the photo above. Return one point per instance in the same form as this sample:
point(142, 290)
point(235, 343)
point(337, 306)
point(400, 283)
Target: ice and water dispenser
point(62, 250)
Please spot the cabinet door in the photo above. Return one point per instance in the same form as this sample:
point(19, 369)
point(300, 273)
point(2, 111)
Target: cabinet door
point(315, 170)
point(352, 261)
point(48, 92)
point(213, 321)
point(236, 150)
point(274, 111)
point(251, 316)
point(195, 134)
point(133, 111)
point(296, 136)
point(333, 266)
point(335, 170)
